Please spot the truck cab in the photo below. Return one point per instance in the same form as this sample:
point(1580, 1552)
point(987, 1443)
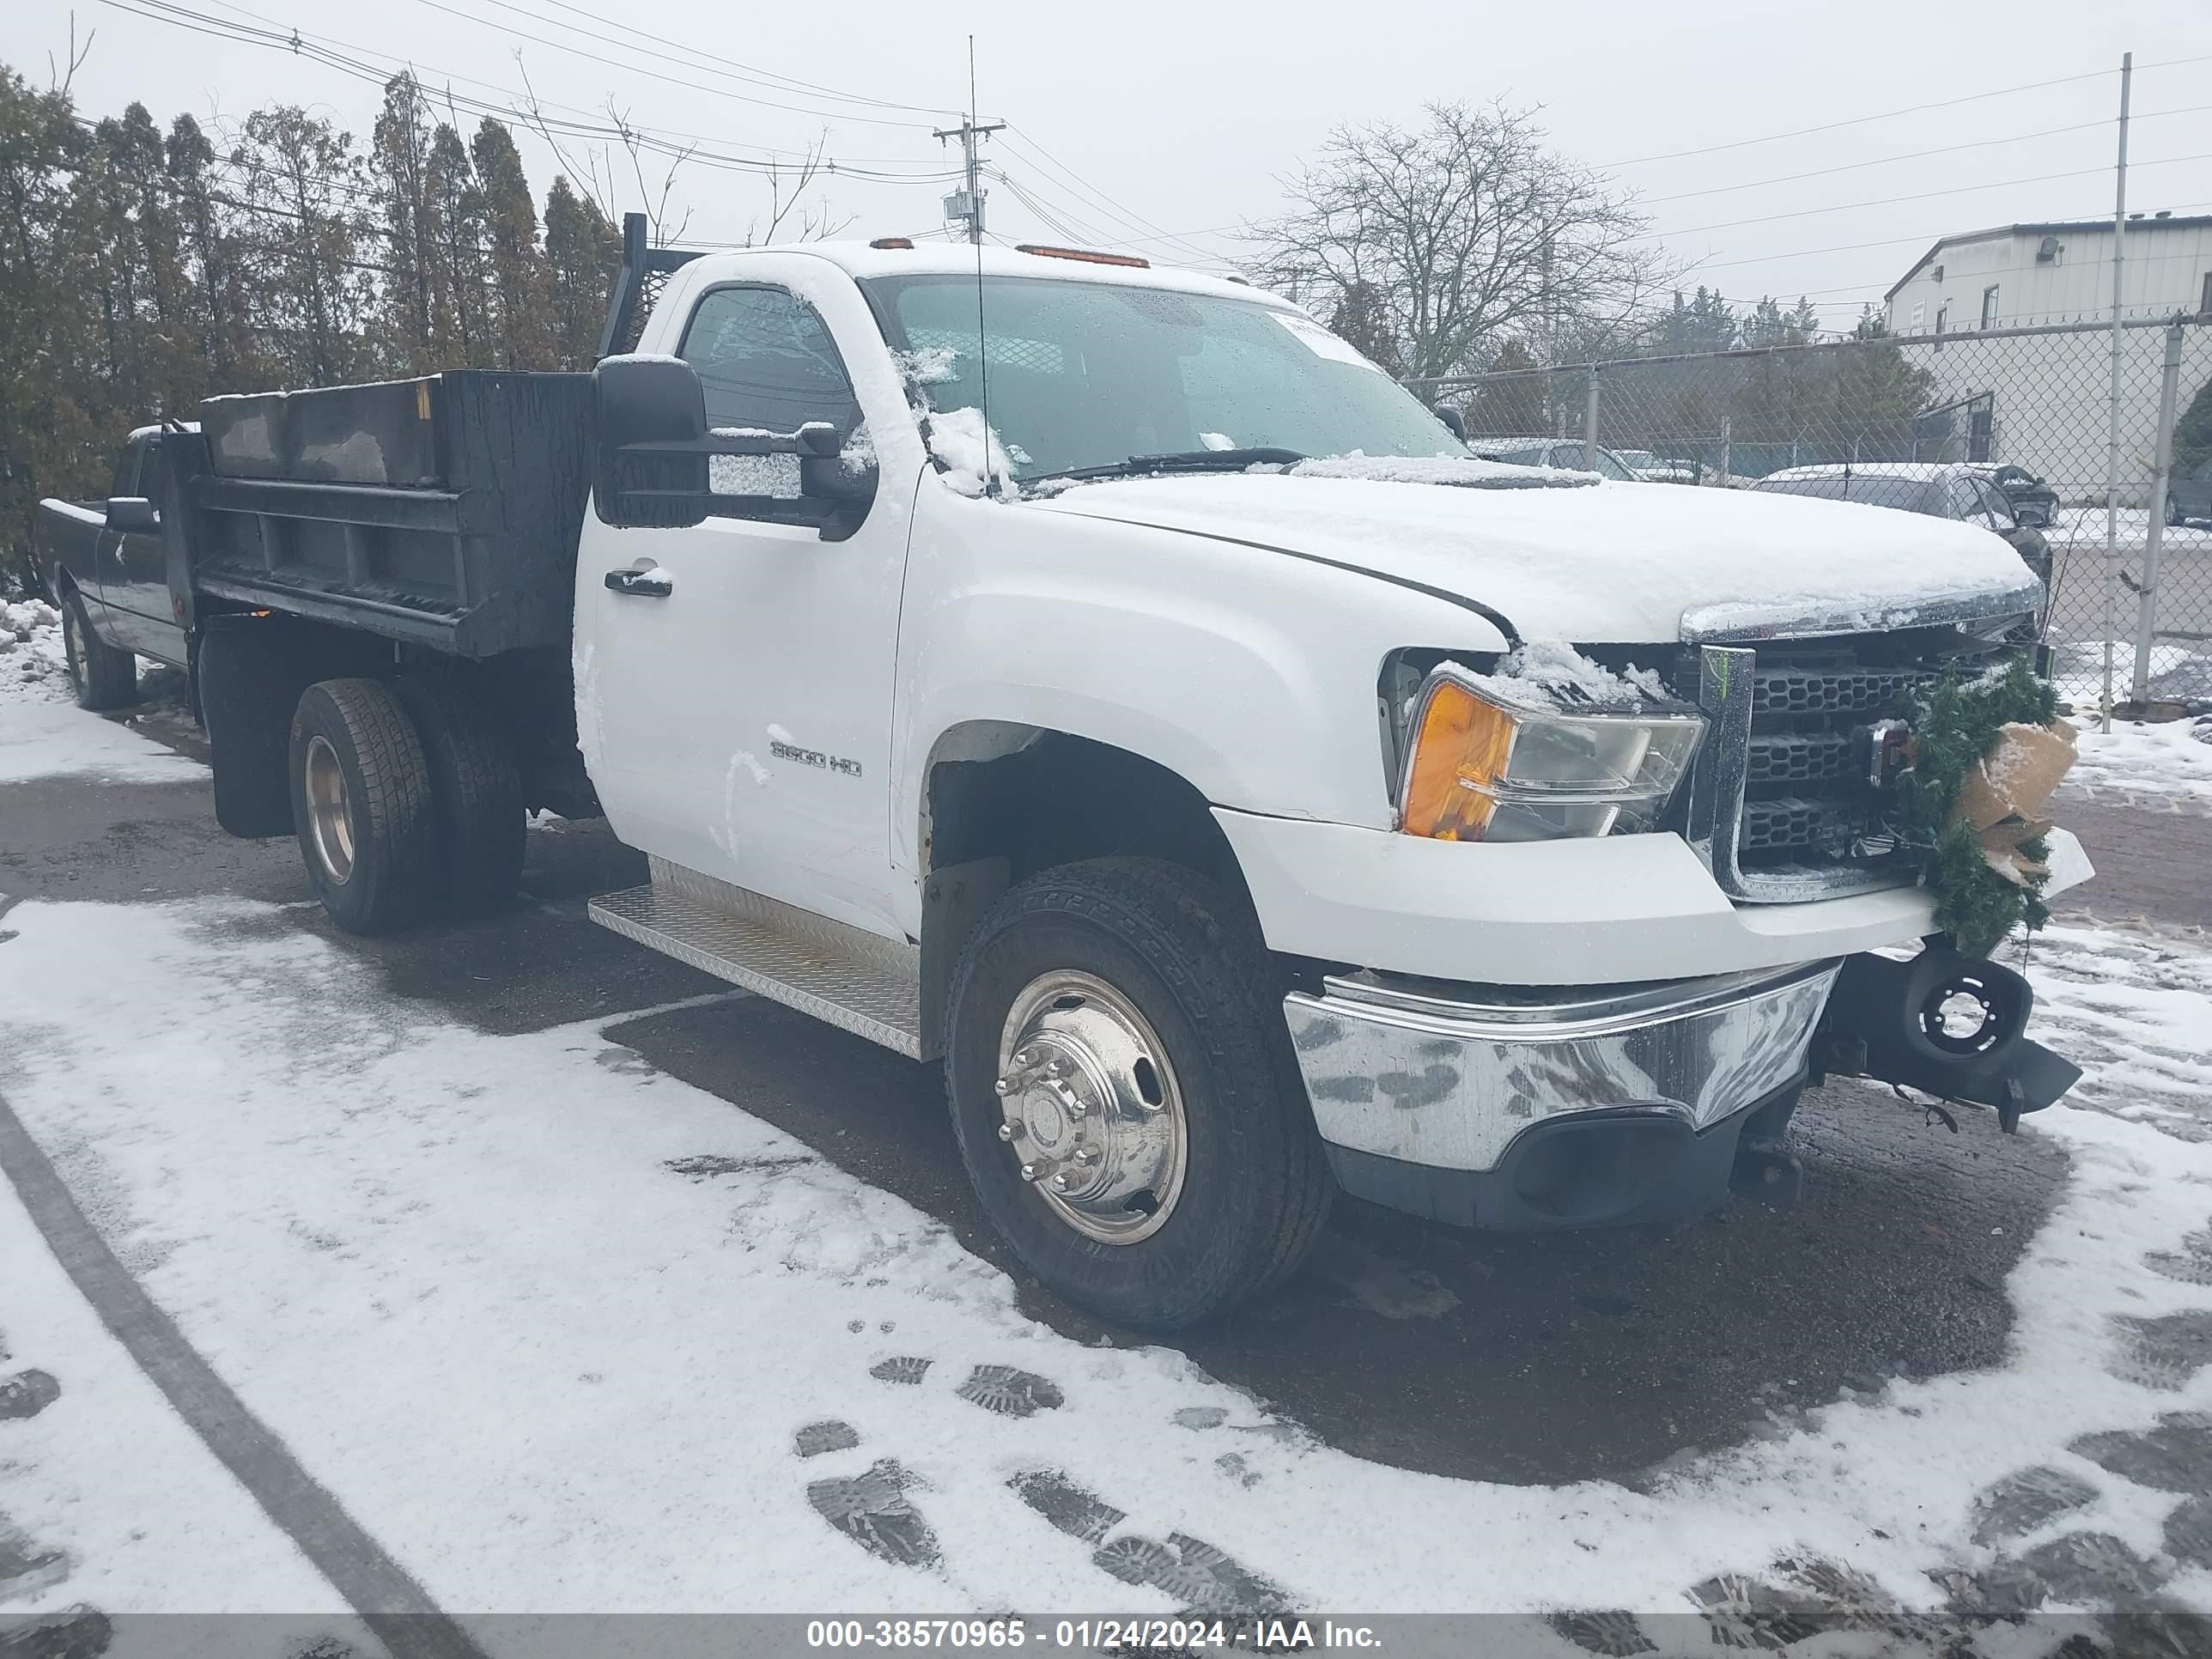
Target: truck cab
point(105, 565)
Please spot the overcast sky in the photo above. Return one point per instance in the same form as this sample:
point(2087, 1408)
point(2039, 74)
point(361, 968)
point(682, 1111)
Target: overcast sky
point(1145, 117)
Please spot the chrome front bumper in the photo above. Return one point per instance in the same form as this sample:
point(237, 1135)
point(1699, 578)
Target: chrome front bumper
point(1449, 1077)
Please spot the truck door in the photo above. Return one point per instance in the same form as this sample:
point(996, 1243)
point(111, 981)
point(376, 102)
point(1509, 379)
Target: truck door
point(735, 704)
point(134, 567)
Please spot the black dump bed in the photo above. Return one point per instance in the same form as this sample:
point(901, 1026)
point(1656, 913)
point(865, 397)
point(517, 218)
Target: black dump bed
point(441, 511)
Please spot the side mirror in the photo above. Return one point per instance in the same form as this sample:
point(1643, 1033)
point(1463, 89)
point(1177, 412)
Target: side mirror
point(134, 515)
point(1455, 422)
point(650, 468)
point(826, 473)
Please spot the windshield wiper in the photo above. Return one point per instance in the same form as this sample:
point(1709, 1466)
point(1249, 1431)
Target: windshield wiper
point(1181, 460)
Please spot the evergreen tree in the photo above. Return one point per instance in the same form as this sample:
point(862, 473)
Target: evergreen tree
point(583, 252)
point(459, 293)
point(49, 443)
point(1511, 408)
point(410, 326)
point(517, 287)
point(301, 186)
point(215, 327)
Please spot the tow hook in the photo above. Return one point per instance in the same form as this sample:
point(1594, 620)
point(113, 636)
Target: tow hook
point(1947, 1025)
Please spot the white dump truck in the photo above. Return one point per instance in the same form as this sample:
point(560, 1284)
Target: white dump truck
point(1105, 681)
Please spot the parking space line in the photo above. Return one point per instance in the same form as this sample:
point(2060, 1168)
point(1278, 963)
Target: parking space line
point(389, 1600)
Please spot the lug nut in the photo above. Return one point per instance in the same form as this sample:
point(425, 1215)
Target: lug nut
point(1004, 1087)
point(1009, 1131)
point(1031, 1172)
point(1059, 1183)
point(1058, 1068)
point(1083, 1156)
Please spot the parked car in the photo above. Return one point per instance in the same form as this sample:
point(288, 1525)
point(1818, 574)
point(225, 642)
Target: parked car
point(1942, 490)
point(1045, 740)
point(2189, 493)
point(1568, 453)
point(2033, 502)
point(1653, 468)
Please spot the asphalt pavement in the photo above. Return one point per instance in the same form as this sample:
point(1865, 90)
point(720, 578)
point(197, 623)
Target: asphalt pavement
point(1518, 1359)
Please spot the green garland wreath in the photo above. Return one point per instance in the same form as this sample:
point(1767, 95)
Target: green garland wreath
point(1954, 724)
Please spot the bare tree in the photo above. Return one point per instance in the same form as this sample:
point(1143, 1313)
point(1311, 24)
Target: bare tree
point(1438, 243)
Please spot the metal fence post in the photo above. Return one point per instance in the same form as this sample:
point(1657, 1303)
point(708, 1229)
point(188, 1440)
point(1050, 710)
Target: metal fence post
point(1727, 428)
point(2161, 471)
point(1589, 425)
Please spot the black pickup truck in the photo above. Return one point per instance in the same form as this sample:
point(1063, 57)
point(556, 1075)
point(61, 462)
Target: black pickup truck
point(105, 563)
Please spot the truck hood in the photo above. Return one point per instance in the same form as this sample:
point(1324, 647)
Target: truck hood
point(1611, 563)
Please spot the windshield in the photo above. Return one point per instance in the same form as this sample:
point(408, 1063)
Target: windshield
point(1088, 374)
point(1910, 493)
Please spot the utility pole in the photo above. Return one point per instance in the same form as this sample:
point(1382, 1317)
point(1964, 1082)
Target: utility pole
point(2113, 401)
point(966, 203)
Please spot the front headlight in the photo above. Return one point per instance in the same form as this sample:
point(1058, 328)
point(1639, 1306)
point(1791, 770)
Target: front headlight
point(1484, 763)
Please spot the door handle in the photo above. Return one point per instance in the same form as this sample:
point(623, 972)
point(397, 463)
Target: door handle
point(647, 584)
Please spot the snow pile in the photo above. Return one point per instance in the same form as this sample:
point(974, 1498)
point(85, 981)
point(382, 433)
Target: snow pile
point(2172, 760)
point(31, 653)
point(1456, 471)
point(551, 1272)
point(1551, 674)
point(928, 365)
point(42, 731)
point(958, 442)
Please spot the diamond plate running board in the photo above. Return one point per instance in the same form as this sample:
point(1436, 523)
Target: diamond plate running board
point(864, 998)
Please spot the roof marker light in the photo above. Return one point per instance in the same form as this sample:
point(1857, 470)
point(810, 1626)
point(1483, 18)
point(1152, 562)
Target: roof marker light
point(892, 241)
point(1084, 255)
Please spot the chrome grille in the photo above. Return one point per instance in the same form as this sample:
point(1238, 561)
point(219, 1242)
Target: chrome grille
point(1782, 803)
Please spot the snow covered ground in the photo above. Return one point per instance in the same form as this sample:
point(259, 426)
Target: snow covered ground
point(43, 734)
point(565, 1333)
point(2171, 761)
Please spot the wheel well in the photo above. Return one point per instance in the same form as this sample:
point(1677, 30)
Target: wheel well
point(1056, 798)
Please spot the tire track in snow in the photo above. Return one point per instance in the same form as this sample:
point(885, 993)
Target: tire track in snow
point(384, 1594)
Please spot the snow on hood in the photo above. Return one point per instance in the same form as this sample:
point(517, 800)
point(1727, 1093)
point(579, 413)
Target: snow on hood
point(1616, 563)
point(1457, 471)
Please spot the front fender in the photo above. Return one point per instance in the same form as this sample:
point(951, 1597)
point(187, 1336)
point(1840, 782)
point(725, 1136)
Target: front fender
point(1250, 675)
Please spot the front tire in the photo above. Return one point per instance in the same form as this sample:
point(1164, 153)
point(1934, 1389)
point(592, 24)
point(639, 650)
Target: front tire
point(1124, 1095)
point(103, 676)
point(361, 805)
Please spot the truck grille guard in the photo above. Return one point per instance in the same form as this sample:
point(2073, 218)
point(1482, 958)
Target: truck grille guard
point(1787, 800)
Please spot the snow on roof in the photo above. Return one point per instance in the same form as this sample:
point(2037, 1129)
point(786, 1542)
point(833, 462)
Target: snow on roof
point(1918, 471)
point(860, 259)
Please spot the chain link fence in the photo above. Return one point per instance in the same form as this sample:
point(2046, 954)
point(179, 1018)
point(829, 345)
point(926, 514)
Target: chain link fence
point(1934, 423)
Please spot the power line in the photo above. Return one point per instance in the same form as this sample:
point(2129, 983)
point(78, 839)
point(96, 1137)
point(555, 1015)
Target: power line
point(1909, 156)
point(1925, 195)
point(1892, 241)
point(1889, 115)
point(1107, 204)
point(675, 81)
point(660, 142)
point(751, 72)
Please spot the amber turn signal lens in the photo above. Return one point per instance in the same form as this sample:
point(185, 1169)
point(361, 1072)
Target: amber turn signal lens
point(1459, 752)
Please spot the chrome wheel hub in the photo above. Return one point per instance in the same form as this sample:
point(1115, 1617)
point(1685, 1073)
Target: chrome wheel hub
point(329, 819)
point(1092, 1113)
